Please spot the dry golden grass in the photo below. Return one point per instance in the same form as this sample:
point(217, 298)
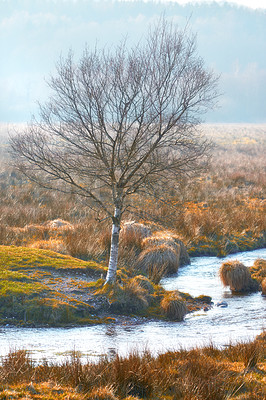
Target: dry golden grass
point(56, 245)
point(235, 275)
point(173, 306)
point(263, 286)
point(128, 297)
point(102, 393)
point(258, 270)
point(219, 212)
point(145, 283)
point(158, 259)
point(236, 372)
point(132, 233)
point(161, 238)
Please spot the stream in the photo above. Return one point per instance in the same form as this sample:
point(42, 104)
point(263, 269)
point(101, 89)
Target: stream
point(241, 320)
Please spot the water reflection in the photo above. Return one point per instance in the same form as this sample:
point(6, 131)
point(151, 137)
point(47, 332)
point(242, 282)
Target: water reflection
point(111, 330)
point(243, 319)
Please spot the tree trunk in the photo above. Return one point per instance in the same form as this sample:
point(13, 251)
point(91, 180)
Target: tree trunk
point(113, 259)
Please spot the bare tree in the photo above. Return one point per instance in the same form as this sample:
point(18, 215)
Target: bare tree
point(120, 121)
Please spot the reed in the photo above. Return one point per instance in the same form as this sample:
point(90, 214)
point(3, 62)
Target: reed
point(235, 372)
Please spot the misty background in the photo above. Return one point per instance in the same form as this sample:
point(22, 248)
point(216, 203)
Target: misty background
point(34, 33)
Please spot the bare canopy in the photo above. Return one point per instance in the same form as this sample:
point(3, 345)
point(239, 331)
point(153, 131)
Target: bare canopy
point(120, 121)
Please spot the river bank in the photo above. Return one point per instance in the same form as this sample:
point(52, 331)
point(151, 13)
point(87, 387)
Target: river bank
point(242, 319)
point(235, 372)
point(41, 288)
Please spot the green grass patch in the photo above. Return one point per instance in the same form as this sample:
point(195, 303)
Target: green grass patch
point(220, 246)
point(30, 292)
point(21, 258)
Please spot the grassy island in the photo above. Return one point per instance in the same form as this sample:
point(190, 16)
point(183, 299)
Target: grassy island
point(41, 287)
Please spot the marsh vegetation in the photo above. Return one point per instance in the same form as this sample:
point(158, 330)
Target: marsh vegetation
point(235, 372)
point(54, 253)
point(220, 211)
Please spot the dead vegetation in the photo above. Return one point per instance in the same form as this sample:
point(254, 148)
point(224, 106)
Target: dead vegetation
point(174, 306)
point(241, 278)
point(235, 275)
point(235, 373)
point(221, 211)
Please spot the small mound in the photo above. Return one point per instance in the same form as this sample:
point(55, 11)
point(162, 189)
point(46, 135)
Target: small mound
point(132, 233)
point(58, 223)
point(258, 270)
point(56, 245)
point(169, 239)
point(145, 283)
point(160, 238)
point(160, 259)
point(34, 287)
point(127, 298)
point(237, 276)
point(173, 306)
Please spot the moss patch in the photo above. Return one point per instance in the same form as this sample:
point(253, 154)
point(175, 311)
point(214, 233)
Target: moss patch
point(220, 246)
point(23, 258)
point(258, 270)
point(131, 297)
point(40, 287)
point(36, 287)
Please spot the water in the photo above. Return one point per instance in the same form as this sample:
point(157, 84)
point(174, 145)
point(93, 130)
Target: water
point(243, 319)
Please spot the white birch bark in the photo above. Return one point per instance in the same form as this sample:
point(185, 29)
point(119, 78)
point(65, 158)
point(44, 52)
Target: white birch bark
point(112, 267)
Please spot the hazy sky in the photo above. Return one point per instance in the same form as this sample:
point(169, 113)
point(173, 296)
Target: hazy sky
point(33, 33)
point(254, 4)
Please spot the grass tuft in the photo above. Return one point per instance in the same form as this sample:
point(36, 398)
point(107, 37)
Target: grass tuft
point(102, 393)
point(158, 259)
point(173, 306)
point(263, 286)
point(235, 275)
point(258, 270)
